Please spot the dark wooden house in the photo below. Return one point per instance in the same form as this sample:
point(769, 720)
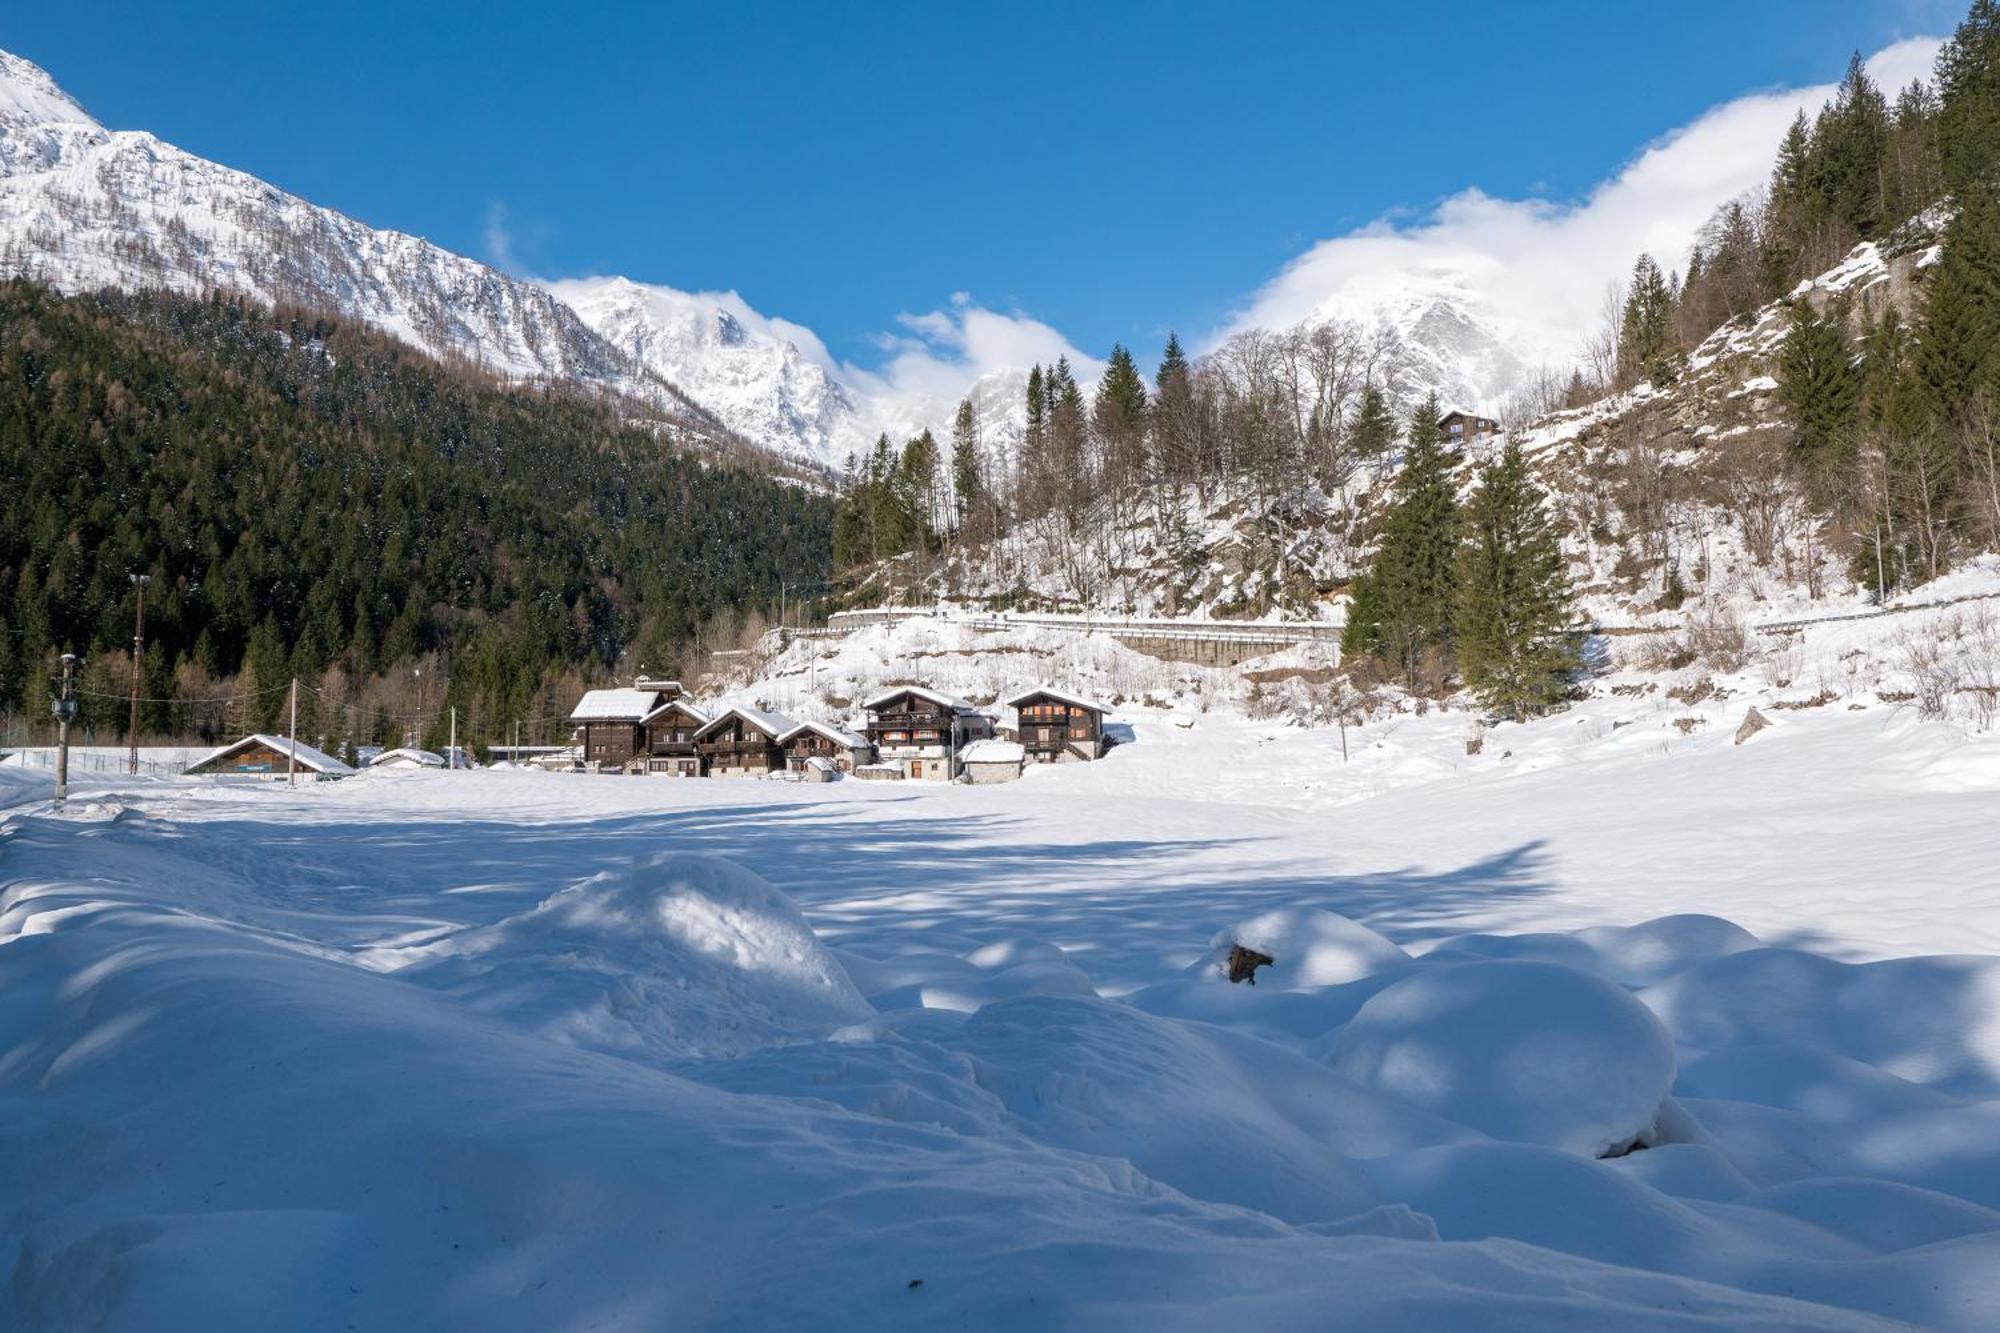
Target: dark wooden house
point(843, 751)
point(1462, 428)
point(610, 731)
point(742, 742)
point(919, 733)
point(1056, 726)
point(669, 738)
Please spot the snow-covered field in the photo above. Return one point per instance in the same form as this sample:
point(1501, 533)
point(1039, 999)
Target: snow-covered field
point(508, 1050)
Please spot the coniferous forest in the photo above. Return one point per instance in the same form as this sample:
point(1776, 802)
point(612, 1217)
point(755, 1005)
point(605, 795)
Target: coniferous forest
point(316, 500)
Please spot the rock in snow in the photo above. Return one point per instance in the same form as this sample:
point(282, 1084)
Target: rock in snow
point(1307, 948)
point(1532, 1052)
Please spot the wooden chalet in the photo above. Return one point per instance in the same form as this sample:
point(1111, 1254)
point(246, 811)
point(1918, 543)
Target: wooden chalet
point(1056, 726)
point(263, 756)
point(610, 730)
point(843, 751)
point(742, 742)
point(1462, 428)
point(669, 731)
point(918, 733)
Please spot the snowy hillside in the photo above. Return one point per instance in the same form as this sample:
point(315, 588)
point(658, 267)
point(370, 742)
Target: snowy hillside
point(83, 207)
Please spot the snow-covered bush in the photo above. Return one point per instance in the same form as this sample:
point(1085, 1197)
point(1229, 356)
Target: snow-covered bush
point(1527, 1051)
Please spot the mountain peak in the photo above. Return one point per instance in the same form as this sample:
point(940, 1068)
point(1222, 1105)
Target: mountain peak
point(29, 97)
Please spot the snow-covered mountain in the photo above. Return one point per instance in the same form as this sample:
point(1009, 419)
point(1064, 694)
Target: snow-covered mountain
point(83, 207)
point(767, 380)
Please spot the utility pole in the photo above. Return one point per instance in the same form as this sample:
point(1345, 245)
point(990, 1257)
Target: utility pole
point(65, 714)
point(292, 750)
point(451, 750)
point(139, 582)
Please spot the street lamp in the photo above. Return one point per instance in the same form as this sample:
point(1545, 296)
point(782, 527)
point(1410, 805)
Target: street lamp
point(139, 582)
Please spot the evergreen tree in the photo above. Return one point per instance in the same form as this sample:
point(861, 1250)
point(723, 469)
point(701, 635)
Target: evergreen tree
point(1821, 386)
point(1968, 79)
point(1959, 350)
point(1173, 414)
point(1373, 432)
point(1513, 613)
point(1415, 571)
point(967, 484)
point(1647, 349)
point(1849, 143)
point(1118, 415)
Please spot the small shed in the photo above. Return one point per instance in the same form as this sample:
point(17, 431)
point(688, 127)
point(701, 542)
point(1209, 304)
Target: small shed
point(993, 760)
point(842, 749)
point(1059, 726)
point(407, 757)
point(265, 756)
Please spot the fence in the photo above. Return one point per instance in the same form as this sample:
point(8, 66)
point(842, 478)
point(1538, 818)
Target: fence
point(91, 761)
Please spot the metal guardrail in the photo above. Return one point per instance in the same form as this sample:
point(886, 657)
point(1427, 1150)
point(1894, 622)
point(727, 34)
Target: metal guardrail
point(842, 623)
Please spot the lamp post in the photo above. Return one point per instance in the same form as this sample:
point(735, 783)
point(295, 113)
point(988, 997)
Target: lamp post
point(139, 582)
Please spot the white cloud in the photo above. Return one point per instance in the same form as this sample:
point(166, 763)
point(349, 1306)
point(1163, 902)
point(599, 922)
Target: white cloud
point(499, 239)
point(938, 355)
point(1539, 269)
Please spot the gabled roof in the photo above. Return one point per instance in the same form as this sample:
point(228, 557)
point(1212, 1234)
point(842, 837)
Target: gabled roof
point(617, 705)
point(315, 761)
point(944, 701)
point(1060, 696)
point(773, 725)
point(835, 734)
point(684, 705)
point(421, 758)
point(993, 752)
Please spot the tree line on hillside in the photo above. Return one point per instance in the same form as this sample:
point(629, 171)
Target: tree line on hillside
point(314, 500)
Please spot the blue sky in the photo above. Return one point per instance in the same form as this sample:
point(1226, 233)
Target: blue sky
point(1112, 172)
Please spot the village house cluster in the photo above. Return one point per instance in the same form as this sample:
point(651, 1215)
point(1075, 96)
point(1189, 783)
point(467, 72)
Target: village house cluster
point(911, 733)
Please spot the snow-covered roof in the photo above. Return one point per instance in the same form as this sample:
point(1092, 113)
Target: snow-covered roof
point(773, 725)
point(317, 761)
point(838, 735)
point(1061, 696)
point(947, 701)
point(407, 755)
point(615, 705)
point(993, 752)
point(701, 719)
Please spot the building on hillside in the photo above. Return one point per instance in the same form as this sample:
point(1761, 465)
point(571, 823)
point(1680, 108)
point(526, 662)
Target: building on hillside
point(843, 750)
point(918, 733)
point(993, 760)
point(1056, 726)
point(669, 690)
point(406, 757)
point(609, 730)
point(670, 730)
point(1463, 428)
point(741, 742)
point(263, 756)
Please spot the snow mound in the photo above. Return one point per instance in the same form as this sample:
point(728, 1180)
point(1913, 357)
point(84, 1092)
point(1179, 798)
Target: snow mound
point(994, 751)
point(1934, 1021)
point(679, 956)
point(1308, 948)
point(1530, 1052)
point(997, 970)
point(1641, 955)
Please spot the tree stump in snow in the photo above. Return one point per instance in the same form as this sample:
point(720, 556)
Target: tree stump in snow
point(1243, 963)
point(1753, 722)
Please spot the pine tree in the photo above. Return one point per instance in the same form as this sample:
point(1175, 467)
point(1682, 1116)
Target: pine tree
point(1820, 384)
point(1647, 349)
point(1849, 143)
point(1968, 79)
point(967, 483)
point(1118, 416)
point(1173, 415)
point(1373, 431)
point(1959, 351)
point(1415, 572)
point(1513, 613)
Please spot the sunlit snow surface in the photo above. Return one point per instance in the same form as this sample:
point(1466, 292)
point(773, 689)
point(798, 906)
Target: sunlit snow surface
point(509, 1050)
